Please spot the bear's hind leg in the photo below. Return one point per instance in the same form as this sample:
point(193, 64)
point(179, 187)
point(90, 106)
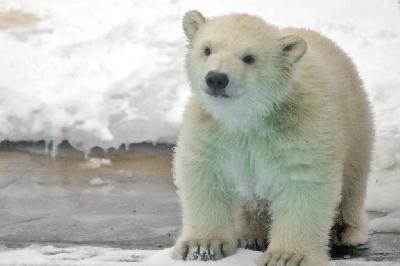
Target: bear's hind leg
point(351, 225)
point(252, 228)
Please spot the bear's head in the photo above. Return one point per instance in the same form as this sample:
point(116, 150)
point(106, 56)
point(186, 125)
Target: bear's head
point(239, 66)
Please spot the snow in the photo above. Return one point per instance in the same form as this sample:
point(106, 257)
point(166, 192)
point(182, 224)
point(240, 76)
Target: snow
point(99, 256)
point(94, 163)
point(110, 72)
point(97, 181)
point(91, 80)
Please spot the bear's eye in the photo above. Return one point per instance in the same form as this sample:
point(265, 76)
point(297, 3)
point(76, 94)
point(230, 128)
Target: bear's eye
point(249, 59)
point(207, 51)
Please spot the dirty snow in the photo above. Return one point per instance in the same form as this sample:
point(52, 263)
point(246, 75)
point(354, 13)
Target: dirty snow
point(111, 72)
point(94, 163)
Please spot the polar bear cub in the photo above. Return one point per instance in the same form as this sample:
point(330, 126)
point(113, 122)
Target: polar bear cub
point(275, 146)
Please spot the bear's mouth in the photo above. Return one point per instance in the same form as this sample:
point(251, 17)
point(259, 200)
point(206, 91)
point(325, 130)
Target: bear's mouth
point(217, 94)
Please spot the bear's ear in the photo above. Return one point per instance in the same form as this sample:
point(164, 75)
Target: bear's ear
point(293, 47)
point(191, 23)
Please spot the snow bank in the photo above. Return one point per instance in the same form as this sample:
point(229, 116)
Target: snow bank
point(96, 74)
point(111, 72)
point(98, 256)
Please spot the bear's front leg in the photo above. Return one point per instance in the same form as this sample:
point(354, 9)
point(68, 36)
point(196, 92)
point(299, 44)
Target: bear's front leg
point(302, 215)
point(208, 223)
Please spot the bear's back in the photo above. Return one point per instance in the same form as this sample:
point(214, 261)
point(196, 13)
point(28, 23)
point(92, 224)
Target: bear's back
point(343, 87)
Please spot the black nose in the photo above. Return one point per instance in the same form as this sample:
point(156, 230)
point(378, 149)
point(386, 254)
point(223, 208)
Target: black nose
point(217, 82)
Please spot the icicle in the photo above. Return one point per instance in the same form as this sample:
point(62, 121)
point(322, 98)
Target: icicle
point(86, 153)
point(46, 147)
point(54, 148)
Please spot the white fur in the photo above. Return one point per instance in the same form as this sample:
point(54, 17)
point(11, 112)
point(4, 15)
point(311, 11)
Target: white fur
point(290, 146)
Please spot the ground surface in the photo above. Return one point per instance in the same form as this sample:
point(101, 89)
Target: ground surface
point(70, 209)
point(126, 200)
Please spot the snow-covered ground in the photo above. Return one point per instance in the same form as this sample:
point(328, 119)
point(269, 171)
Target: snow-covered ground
point(97, 256)
point(108, 72)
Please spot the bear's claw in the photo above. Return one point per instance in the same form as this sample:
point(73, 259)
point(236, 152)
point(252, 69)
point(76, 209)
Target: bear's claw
point(281, 259)
point(257, 244)
point(288, 258)
point(203, 250)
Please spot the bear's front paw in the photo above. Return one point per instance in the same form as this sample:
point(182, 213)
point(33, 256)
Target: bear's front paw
point(283, 258)
point(203, 249)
